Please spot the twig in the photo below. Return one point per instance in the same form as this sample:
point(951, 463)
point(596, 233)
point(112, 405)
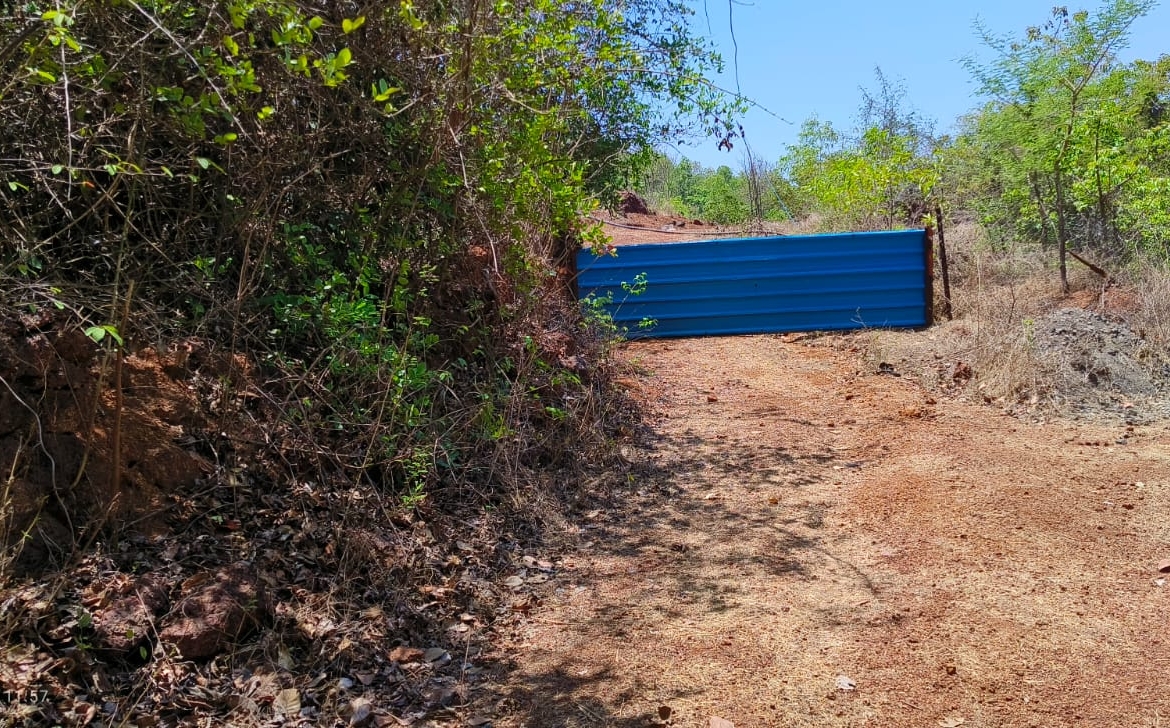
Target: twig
point(40, 428)
point(734, 43)
point(68, 118)
point(202, 72)
point(1092, 266)
point(44, 449)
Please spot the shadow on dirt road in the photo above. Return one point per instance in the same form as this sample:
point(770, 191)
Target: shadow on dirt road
point(805, 543)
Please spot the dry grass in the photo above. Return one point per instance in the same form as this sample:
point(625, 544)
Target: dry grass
point(998, 295)
point(1150, 282)
point(805, 226)
point(995, 304)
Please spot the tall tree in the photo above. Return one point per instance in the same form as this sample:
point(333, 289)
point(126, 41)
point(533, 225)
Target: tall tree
point(1042, 83)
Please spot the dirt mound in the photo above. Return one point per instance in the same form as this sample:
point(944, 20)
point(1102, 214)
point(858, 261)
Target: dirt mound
point(1054, 360)
point(1099, 366)
point(63, 427)
point(630, 203)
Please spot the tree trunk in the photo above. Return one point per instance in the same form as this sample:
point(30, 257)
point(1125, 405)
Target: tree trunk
point(1061, 230)
point(1104, 218)
point(1042, 209)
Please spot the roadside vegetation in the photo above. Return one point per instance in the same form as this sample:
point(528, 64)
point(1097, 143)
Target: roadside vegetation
point(1067, 152)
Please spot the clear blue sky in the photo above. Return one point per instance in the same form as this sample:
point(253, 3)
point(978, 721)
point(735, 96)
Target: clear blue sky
point(813, 56)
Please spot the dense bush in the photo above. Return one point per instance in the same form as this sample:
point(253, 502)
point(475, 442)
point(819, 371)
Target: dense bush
point(376, 198)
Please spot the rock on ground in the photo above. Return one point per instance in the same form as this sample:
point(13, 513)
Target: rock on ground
point(223, 607)
point(127, 621)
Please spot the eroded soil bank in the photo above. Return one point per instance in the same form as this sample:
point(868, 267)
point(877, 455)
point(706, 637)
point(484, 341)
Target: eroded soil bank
point(809, 541)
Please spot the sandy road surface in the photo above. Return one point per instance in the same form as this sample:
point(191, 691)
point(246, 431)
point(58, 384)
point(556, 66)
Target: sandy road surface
point(801, 524)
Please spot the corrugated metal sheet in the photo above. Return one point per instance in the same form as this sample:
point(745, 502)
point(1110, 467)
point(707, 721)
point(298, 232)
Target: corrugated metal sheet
point(758, 285)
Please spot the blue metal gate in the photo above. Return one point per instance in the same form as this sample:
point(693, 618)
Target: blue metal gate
point(760, 285)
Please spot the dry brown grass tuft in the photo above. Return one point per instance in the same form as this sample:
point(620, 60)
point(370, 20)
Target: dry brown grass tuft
point(995, 294)
point(1151, 315)
point(996, 302)
point(999, 295)
point(805, 226)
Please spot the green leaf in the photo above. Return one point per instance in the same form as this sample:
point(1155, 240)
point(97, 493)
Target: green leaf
point(344, 57)
point(315, 22)
point(348, 26)
point(57, 18)
point(264, 113)
point(99, 333)
point(57, 168)
point(232, 46)
point(385, 92)
point(203, 162)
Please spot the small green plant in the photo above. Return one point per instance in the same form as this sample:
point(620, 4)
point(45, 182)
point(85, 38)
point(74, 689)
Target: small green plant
point(490, 423)
point(99, 333)
point(599, 310)
point(598, 317)
point(638, 287)
point(211, 267)
point(417, 469)
point(84, 627)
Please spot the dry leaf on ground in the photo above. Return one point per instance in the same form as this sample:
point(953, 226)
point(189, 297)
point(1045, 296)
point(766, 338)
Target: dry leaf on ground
point(287, 702)
point(361, 711)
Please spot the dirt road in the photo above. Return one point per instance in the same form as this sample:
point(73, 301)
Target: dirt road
point(811, 543)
